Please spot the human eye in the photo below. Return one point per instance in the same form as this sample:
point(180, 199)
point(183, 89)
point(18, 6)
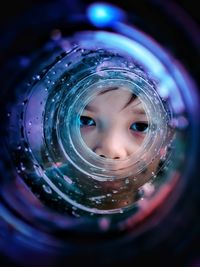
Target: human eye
point(86, 121)
point(141, 127)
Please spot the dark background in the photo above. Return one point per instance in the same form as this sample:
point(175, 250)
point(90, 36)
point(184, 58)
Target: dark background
point(10, 11)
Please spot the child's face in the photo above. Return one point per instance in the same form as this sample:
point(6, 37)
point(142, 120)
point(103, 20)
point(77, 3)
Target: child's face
point(114, 124)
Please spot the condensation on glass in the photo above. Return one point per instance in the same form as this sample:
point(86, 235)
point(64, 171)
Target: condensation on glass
point(47, 137)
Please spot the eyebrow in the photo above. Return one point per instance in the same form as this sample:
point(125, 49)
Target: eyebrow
point(139, 111)
point(131, 99)
point(92, 108)
point(109, 89)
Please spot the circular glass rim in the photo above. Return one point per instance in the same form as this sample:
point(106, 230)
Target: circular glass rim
point(70, 138)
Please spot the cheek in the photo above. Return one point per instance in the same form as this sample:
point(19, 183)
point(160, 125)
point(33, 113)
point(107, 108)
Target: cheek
point(137, 137)
point(89, 136)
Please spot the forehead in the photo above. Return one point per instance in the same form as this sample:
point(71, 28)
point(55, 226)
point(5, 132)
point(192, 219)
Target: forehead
point(120, 98)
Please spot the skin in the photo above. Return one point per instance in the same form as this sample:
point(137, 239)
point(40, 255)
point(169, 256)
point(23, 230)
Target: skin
point(114, 125)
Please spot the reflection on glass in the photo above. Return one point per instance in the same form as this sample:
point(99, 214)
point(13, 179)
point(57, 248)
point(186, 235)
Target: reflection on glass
point(114, 124)
point(92, 138)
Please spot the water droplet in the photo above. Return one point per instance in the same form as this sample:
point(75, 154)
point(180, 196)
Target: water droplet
point(22, 167)
point(36, 77)
point(127, 181)
point(47, 189)
point(18, 171)
point(24, 102)
point(35, 166)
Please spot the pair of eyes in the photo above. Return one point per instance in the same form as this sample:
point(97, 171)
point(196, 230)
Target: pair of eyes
point(141, 127)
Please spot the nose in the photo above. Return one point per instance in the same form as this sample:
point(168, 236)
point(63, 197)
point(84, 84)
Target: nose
point(112, 146)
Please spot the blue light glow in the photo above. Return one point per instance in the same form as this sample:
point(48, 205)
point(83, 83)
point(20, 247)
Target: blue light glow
point(152, 58)
point(103, 14)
